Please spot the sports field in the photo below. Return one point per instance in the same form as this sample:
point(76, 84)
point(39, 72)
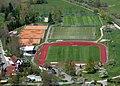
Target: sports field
point(76, 53)
point(77, 27)
point(81, 20)
point(64, 33)
point(79, 51)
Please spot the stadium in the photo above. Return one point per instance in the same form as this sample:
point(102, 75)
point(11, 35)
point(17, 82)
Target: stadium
point(78, 51)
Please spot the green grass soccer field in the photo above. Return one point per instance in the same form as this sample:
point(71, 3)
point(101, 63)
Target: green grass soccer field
point(76, 53)
point(81, 20)
point(64, 33)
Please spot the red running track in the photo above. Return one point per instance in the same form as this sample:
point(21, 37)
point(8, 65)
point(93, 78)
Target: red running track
point(45, 47)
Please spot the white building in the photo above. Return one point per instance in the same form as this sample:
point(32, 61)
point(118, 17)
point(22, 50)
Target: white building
point(27, 50)
point(33, 77)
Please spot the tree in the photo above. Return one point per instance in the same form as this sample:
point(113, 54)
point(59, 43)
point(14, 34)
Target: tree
point(50, 19)
point(14, 79)
point(14, 46)
point(27, 19)
point(69, 67)
point(26, 13)
point(97, 3)
point(40, 1)
point(90, 66)
point(10, 7)
point(56, 16)
point(48, 78)
point(46, 64)
point(4, 35)
point(102, 12)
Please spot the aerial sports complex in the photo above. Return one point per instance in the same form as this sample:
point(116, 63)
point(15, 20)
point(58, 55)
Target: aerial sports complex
point(77, 34)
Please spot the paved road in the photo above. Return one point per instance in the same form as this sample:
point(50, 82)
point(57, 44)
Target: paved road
point(4, 58)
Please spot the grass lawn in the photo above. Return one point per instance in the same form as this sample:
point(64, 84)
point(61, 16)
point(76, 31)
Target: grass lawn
point(114, 6)
point(52, 5)
point(81, 20)
point(64, 33)
point(114, 51)
point(76, 53)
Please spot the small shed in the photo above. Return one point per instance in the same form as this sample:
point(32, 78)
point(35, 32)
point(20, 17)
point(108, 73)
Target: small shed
point(34, 77)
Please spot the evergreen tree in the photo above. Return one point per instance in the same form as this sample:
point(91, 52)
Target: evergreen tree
point(69, 67)
point(10, 7)
point(50, 20)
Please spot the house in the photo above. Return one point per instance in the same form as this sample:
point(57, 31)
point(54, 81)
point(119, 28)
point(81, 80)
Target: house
point(11, 70)
point(31, 35)
point(14, 60)
point(34, 78)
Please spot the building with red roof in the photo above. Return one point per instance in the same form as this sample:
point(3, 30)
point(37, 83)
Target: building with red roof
point(10, 70)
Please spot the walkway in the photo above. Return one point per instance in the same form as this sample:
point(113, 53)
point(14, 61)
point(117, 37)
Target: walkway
point(101, 30)
point(48, 32)
point(117, 26)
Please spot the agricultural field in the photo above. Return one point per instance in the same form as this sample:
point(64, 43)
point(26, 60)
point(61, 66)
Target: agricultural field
point(76, 53)
point(65, 7)
point(64, 33)
point(81, 20)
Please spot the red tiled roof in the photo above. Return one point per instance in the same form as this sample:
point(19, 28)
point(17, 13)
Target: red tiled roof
point(10, 70)
point(14, 59)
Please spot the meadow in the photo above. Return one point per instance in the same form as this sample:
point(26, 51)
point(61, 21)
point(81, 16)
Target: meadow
point(113, 6)
point(53, 5)
point(114, 51)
